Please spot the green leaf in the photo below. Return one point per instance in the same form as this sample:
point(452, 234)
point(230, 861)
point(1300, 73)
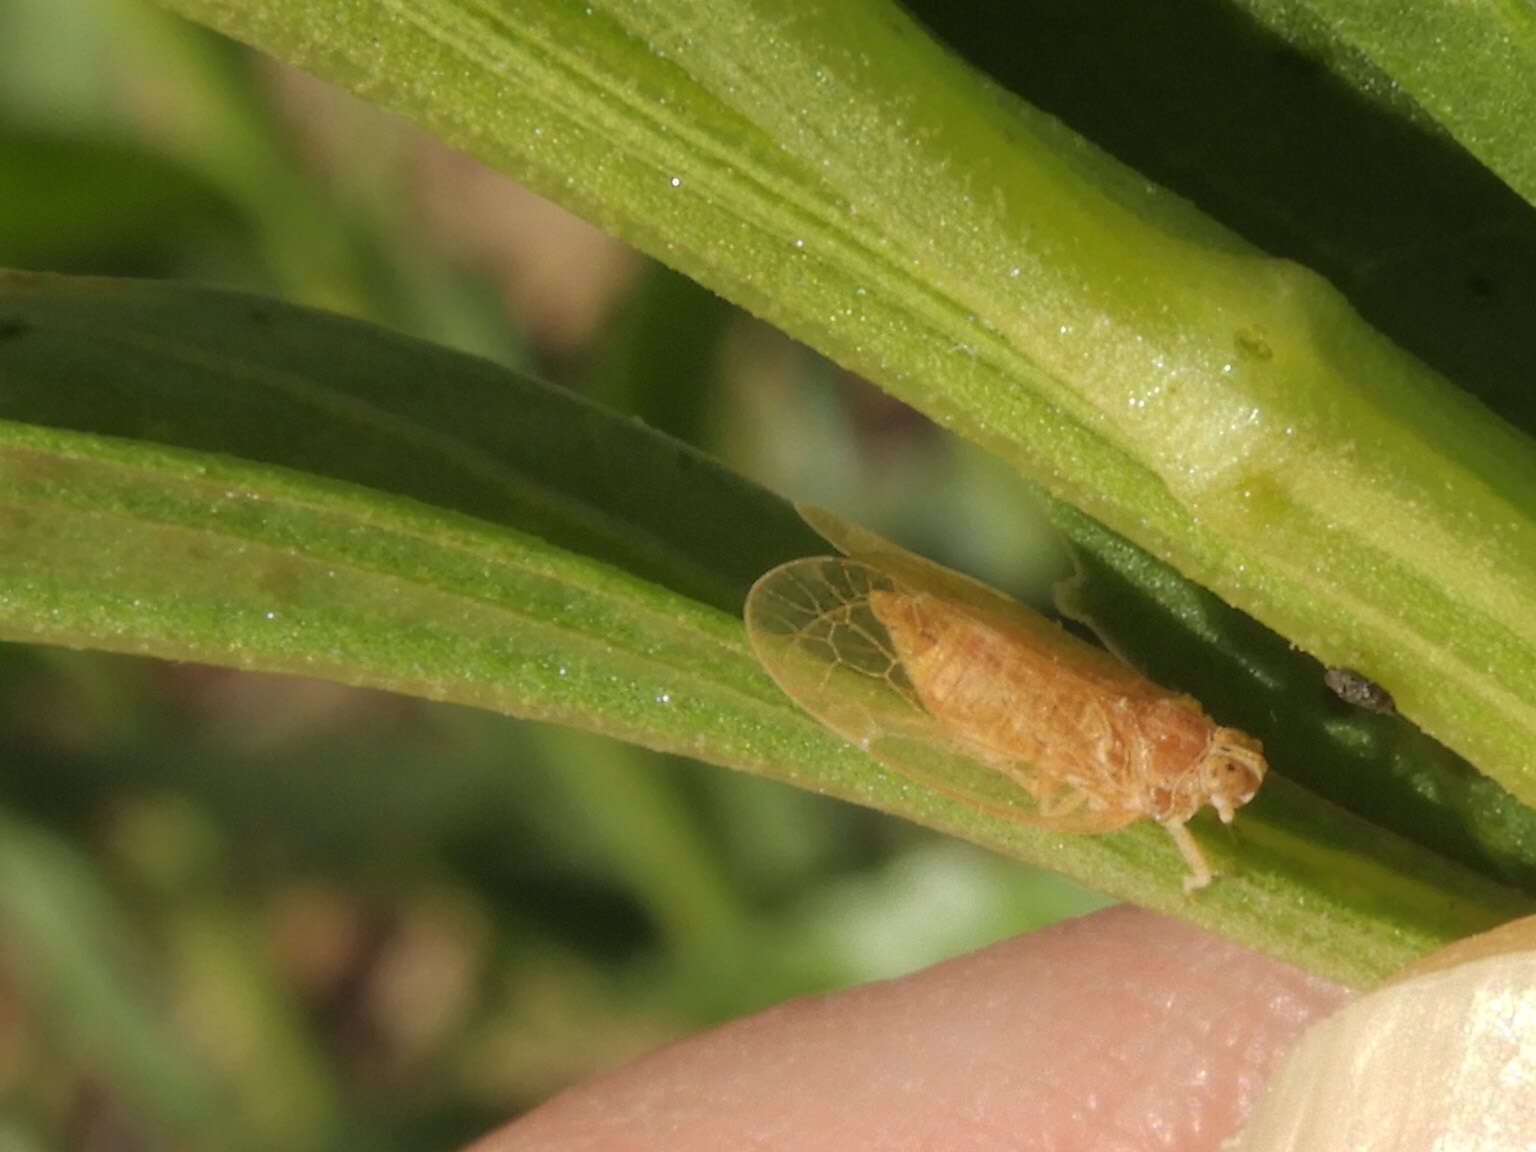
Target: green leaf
point(175, 546)
point(834, 169)
point(1469, 67)
point(246, 376)
point(1334, 169)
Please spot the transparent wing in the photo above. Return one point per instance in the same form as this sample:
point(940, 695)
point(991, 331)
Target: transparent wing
point(860, 543)
point(966, 593)
point(815, 629)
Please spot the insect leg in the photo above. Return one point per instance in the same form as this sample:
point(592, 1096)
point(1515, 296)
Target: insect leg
point(1200, 871)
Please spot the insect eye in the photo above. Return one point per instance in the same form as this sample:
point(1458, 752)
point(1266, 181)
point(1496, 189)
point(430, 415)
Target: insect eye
point(1230, 776)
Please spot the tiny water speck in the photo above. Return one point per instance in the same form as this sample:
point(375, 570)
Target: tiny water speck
point(1252, 341)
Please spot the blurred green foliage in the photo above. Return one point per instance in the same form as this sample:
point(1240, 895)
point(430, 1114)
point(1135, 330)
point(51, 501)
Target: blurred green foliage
point(241, 911)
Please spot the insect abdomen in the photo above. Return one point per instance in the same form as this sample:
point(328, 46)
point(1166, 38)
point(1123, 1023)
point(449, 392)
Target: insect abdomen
point(1019, 703)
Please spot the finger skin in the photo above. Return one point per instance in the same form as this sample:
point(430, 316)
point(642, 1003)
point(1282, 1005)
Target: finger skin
point(1121, 1030)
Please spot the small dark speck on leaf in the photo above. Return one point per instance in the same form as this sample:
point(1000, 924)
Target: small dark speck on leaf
point(1359, 690)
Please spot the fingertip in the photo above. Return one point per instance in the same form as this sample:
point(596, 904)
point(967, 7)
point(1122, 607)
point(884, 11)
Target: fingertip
point(1121, 1026)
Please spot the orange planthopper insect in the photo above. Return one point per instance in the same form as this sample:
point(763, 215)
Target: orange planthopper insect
point(965, 690)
